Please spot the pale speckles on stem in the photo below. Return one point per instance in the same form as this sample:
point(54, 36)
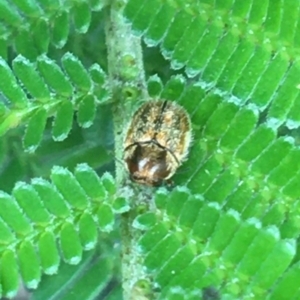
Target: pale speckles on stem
point(128, 86)
point(127, 78)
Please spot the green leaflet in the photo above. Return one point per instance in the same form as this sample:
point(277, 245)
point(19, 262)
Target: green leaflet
point(90, 182)
point(62, 124)
point(70, 244)
point(9, 86)
point(159, 24)
point(105, 217)
point(41, 35)
point(35, 129)
point(87, 231)
point(10, 14)
point(24, 44)
point(29, 8)
point(51, 198)
point(9, 274)
point(155, 86)
point(6, 235)
point(13, 216)
point(81, 16)
point(287, 285)
point(177, 27)
point(61, 29)
point(48, 252)
point(86, 111)
point(29, 264)
point(174, 88)
point(76, 72)
point(29, 76)
point(69, 187)
point(54, 77)
point(235, 65)
point(270, 80)
point(31, 204)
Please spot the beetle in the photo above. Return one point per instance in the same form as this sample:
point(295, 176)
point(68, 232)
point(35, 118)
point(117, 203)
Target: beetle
point(157, 141)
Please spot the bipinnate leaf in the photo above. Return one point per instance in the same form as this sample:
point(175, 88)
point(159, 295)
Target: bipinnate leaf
point(219, 240)
point(236, 159)
point(32, 25)
point(225, 51)
point(51, 92)
point(43, 222)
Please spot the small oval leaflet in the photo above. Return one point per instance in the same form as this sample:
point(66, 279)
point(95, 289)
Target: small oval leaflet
point(157, 141)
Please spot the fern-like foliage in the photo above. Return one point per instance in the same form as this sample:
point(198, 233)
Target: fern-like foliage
point(243, 101)
point(32, 25)
point(244, 172)
point(191, 245)
point(72, 208)
point(51, 92)
point(229, 229)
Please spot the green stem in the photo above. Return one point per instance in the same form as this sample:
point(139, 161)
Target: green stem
point(128, 86)
point(126, 74)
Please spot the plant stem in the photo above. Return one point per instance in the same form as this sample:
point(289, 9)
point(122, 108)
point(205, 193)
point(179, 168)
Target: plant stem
point(126, 75)
point(127, 80)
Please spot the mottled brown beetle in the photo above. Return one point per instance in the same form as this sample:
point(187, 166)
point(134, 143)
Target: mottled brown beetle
point(157, 142)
